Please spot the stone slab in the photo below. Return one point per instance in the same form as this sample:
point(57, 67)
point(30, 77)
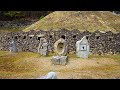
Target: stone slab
point(59, 60)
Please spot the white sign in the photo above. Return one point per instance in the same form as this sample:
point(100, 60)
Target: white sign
point(83, 47)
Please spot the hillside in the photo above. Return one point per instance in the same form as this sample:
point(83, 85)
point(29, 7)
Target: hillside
point(12, 21)
point(82, 20)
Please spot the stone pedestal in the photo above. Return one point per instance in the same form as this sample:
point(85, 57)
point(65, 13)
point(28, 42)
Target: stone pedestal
point(59, 60)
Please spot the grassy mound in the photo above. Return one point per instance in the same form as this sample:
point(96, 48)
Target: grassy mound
point(81, 20)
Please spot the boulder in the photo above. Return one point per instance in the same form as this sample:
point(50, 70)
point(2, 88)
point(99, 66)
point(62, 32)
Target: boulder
point(50, 75)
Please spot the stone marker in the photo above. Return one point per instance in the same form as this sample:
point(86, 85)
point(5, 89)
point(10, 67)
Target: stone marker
point(13, 47)
point(43, 47)
point(60, 48)
point(82, 48)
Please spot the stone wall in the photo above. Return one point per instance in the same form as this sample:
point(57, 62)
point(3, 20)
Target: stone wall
point(100, 43)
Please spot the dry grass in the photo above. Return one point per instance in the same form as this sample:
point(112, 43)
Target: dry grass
point(10, 29)
point(14, 63)
point(82, 20)
point(30, 65)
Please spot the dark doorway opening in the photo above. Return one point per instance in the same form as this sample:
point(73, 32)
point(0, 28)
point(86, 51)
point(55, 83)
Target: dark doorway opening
point(87, 37)
point(74, 36)
point(50, 36)
point(24, 37)
point(110, 39)
point(39, 38)
point(16, 37)
point(97, 37)
point(63, 36)
point(31, 37)
point(8, 38)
